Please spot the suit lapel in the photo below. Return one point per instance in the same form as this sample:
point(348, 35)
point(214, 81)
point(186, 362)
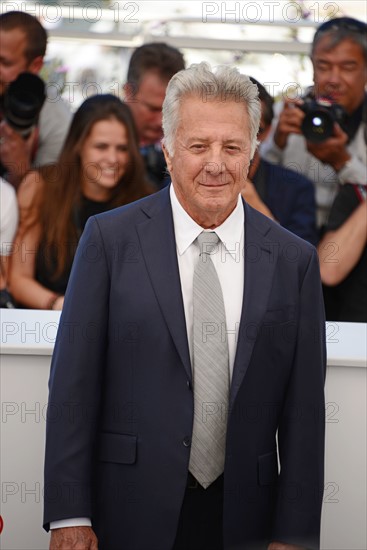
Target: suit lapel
point(158, 245)
point(260, 262)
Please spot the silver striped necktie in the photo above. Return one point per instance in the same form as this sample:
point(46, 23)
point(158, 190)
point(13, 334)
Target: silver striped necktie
point(210, 367)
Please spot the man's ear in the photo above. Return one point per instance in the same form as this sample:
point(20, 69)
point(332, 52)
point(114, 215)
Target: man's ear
point(167, 157)
point(35, 65)
point(265, 133)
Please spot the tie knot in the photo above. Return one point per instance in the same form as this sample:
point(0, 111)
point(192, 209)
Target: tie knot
point(207, 242)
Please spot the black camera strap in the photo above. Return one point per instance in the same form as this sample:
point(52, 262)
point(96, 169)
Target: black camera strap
point(354, 120)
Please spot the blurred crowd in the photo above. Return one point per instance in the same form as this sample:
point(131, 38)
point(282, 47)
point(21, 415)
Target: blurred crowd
point(309, 173)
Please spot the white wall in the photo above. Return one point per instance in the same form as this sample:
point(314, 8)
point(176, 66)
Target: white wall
point(27, 339)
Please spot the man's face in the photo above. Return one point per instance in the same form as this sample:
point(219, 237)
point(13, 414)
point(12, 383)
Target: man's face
point(340, 73)
point(146, 105)
point(12, 58)
point(211, 158)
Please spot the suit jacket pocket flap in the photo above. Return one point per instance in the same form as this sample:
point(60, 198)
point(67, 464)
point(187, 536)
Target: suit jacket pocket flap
point(281, 315)
point(120, 448)
point(267, 468)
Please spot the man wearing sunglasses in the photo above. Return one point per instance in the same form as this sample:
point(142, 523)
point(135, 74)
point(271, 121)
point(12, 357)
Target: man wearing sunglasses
point(339, 58)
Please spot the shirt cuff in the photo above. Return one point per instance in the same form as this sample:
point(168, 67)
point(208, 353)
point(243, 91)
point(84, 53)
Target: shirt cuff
point(70, 522)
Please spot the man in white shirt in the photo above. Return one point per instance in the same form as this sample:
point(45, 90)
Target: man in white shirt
point(8, 225)
point(136, 361)
point(339, 58)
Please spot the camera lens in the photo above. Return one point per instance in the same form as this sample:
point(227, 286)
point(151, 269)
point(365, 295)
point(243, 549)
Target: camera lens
point(318, 125)
point(317, 121)
point(23, 102)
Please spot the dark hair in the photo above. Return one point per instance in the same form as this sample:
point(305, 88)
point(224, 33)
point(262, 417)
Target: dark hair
point(340, 29)
point(61, 189)
point(158, 57)
point(267, 100)
point(36, 35)
point(92, 110)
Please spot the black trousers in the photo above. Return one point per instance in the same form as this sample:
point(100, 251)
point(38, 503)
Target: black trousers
point(200, 525)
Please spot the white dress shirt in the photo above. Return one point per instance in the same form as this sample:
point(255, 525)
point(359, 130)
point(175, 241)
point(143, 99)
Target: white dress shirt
point(228, 260)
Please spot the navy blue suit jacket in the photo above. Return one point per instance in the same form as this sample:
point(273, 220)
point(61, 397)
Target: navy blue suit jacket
point(290, 197)
point(121, 403)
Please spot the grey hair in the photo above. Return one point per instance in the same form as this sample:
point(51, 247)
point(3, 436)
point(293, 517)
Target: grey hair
point(339, 34)
point(223, 84)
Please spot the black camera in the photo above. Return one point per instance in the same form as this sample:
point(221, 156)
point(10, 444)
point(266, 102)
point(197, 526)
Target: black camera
point(321, 114)
point(6, 299)
point(23, 101)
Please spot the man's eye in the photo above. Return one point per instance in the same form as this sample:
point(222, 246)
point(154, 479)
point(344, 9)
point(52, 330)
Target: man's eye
point(197, 146)
point(152, 108)
point(349, 68)
point(322, 67)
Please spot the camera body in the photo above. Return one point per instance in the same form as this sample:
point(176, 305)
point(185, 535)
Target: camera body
point(321, 114)
point(22, 103)
point(6, 299)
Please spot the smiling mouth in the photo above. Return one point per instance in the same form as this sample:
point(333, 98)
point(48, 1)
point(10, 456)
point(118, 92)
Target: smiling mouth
point(333, 92)
point(214, 185)
point(213, 190)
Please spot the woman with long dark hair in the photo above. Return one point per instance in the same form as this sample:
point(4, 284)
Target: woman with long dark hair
point(99, 168)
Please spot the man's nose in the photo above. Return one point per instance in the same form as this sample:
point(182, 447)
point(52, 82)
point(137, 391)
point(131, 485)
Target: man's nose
point(157, 118)
point(334, 75)
point(214, 162)
point(214, 167)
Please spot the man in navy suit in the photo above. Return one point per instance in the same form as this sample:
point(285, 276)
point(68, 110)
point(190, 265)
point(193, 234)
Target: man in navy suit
point(122, 387)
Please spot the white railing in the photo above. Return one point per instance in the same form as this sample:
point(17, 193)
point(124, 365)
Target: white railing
point(27, 339)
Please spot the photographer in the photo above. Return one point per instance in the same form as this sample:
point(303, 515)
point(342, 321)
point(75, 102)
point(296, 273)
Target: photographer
point(339, 58)
point(23, 46)
point(8, 226)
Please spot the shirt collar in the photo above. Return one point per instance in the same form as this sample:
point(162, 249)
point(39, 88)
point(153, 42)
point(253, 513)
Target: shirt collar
point(187, 230)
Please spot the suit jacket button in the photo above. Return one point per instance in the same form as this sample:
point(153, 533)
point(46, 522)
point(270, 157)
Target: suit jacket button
point(188, 384)
point(186, 441)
